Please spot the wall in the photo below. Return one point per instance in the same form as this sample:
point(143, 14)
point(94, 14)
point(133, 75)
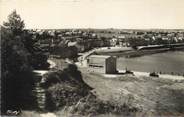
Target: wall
point(111, 65)
point(98, 62)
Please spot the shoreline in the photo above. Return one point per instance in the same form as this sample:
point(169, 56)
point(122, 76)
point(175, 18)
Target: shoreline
point(130, 52)
point(136, 53)
point(127, 52)
point(146, 74)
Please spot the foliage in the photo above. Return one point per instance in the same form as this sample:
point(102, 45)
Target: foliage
point(64, 88)
point(17, 79)
point(15, 23)
point(71, 74)
point(63, 94)
point(36, 58)
point(91, 105)
point(17, 76)
point(65, 52)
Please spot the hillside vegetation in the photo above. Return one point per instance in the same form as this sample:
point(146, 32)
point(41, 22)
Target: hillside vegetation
point(92, 94)
point(67, 91)
point(148, 94)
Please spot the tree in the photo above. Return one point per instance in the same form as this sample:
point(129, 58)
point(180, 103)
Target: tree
point(17, 76)
point(15, 23)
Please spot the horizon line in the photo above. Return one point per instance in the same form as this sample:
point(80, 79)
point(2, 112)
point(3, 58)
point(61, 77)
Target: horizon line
point(114, 28)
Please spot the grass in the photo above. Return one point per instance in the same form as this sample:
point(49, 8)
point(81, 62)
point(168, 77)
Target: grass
point(148, 93)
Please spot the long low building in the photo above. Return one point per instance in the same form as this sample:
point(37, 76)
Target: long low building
point(102, 64)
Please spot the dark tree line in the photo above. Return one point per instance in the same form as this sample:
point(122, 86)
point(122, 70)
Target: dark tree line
point(19, 57)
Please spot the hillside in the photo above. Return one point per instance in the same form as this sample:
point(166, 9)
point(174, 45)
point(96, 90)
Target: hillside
point(96, 94)
point(151, 95)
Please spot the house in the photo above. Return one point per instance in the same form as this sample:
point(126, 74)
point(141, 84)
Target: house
point(113, 41)
point(102, 64)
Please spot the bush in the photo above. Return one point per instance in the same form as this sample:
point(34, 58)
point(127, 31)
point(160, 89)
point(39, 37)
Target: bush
point(91, 105)
point(71, 74)
point(63, 94)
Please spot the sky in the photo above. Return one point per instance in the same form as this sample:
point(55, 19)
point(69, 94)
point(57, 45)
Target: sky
point(124, 14)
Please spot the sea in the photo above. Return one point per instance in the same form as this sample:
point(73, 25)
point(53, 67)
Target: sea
point(171, 62)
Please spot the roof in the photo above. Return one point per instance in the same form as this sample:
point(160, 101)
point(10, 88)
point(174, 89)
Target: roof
point(99, 56)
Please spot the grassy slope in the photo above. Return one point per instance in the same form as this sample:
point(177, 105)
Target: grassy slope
point(150, 94)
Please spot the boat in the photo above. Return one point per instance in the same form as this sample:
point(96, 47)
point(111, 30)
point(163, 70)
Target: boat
point(154, 74)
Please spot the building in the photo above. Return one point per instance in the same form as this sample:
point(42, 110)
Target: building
point(102, 64)
point(113, 41)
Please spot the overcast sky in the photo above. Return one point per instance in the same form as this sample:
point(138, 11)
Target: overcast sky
point(96, 13)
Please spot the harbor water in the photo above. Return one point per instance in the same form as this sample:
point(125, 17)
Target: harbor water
point(171, 62)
